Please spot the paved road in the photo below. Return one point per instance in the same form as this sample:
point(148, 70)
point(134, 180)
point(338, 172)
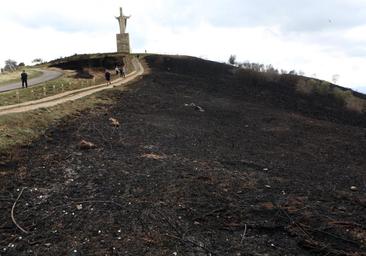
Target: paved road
point(47, 75)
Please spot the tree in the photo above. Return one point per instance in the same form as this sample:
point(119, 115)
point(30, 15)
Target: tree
point(37, 61)
point(335, 78)
point(10, 65)
point(232, 59)
point(293, 72)
point(21, 64)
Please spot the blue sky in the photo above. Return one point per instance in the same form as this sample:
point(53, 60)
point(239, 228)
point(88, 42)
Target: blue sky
point(320, 38)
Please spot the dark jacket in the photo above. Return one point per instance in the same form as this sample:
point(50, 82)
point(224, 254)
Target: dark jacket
point(24, 76)
point(107, 76)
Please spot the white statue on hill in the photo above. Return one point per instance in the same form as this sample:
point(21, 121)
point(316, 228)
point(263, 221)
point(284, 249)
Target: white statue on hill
point(122, 20)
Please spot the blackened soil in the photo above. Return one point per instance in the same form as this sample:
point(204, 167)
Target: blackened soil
point(238, 172)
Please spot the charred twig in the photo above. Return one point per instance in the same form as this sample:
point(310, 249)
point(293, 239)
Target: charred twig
point(332, 235)
point(99, 202)
point(191, 242)
point(169, 222)
point(345, 223)
point(12, 213)
point(296, 224)
point(244, 234)
point(210, 213)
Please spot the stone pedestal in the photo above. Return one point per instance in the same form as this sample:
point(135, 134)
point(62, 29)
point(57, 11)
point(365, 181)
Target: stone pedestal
point(123, 43)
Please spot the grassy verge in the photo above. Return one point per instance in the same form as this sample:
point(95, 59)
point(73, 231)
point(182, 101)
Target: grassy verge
point(47, 89)
point(23, 128)
point(12, 77)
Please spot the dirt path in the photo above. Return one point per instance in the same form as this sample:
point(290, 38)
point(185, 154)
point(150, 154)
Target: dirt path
point(72, 95)
point(47, 75)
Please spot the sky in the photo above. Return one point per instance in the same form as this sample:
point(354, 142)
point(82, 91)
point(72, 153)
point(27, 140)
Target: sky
point(320, 38)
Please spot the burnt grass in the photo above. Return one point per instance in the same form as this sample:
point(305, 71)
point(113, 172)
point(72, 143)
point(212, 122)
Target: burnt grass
point(262, 171)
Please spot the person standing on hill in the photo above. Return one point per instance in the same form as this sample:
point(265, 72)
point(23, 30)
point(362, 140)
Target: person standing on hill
point(24, 78)
point(107, 76)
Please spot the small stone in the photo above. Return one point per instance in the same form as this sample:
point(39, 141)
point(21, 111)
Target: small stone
point(354, 188)
point(86, 145)
point(114, 122)
point(342, 208)
point(268, 186)
point(48, 244)
point(79, 207)
point(267, 205)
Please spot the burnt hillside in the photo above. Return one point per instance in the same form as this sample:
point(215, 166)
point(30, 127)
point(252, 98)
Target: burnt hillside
point(204, 161)
point(277, 91)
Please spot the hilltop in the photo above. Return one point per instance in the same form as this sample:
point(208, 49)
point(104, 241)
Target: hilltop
point(207, 159)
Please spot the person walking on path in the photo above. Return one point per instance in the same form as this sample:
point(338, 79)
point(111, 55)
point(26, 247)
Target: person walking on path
point(122, 72)
point(107, 76)
point(24, 78)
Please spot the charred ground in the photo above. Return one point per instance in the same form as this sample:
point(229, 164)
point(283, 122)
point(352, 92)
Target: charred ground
point(250, 168)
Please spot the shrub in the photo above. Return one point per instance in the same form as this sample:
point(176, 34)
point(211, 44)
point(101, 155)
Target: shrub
point(341, 95)
point(350, 101)
point(322, 88)
point(303, 87)
point(232, 59)
point(312, 84)
point(356, 104)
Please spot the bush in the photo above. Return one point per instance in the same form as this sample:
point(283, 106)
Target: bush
point(303, 88)
point(232, 59)
point(350, 101)
point(341, 95)
point(322, 88)
point(356, 104)
point(311, 85)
